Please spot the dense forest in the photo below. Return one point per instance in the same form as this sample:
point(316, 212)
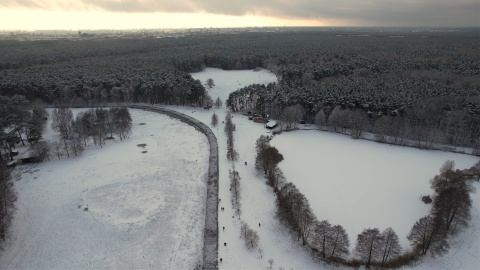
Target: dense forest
point(365, 79)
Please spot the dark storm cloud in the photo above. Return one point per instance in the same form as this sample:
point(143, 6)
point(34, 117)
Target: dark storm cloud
point(366, 12)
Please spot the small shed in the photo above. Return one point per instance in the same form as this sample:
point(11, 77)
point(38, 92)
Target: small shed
point(30, 157)
point(271, 124)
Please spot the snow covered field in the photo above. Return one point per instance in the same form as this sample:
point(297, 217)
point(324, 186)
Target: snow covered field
point(116, 207)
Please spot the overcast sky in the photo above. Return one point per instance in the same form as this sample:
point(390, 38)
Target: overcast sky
point(124, 14)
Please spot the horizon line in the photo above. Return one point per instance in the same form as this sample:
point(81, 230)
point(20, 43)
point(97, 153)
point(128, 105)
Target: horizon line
point(239, 27)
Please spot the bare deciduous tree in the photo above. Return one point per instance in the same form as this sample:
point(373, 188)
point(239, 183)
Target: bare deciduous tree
point(390, 245)
point(451, 202)
point(338, 119)
point(268, 159)
point(338, 242)
point(100, 126)
point(276, 179)
point(304, 217)
point(358, 121)
point(62, 119)
point(322, 233)
point(262, 143)
point(320, 119)
point(57, 148)
point(66, 146)
point(292, 115)
point(249, 235)
point(75, 144)
point(369, 246)
point(42, 150)
point(123, 122)
point(427, 236)
point(79, 129)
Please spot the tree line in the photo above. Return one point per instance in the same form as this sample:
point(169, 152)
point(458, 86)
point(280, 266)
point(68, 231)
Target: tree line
point(7, 199)
point(96, 124)
point(249, 235)
point(20, 120)
point(449, 214)
point(450, 211)
point(232, 154)
point(429, 120)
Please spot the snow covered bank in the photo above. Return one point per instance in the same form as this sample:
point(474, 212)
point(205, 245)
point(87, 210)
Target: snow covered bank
point(116, 207)
point(464, 253)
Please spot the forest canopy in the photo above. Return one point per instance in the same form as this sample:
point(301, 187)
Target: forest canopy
point(431, 77)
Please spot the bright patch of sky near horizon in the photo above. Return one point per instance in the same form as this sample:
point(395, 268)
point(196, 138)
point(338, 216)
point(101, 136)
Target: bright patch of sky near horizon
point(52, 20)
point(134, 14)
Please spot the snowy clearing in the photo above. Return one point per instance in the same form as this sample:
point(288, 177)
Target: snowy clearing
point(227, 81)
point(116, 207)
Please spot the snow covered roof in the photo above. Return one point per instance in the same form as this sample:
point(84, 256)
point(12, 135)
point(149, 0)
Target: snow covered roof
point(27, 154)
point(271, 124)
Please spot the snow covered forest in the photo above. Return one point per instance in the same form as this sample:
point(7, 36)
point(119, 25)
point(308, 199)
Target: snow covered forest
point(347, 78)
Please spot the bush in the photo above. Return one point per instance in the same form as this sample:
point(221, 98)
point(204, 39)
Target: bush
point(249, 235)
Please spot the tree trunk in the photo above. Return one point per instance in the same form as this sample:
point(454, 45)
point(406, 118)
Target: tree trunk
point(66, 147)
point(369, 255)
point(323, 246)
point(20, 135)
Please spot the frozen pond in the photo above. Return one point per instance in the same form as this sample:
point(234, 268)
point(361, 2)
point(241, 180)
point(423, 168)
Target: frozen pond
point(362, 184)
